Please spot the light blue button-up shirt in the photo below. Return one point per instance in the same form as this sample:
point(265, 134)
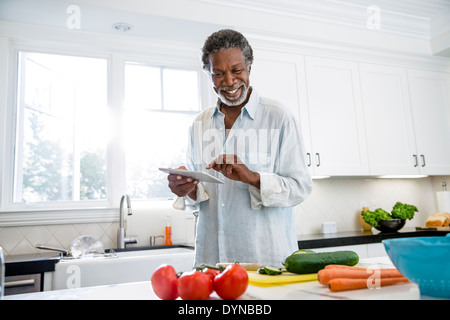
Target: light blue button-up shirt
point(237, 221)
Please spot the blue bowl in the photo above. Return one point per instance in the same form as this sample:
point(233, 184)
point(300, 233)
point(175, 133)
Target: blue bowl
point(424, 261)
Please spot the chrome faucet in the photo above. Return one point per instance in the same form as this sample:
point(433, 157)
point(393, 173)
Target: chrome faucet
point(122, 240)
point(195, 213)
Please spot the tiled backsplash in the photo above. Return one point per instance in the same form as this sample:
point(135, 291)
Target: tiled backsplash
point(21, 240)
point(341, 199)
point(336, 199)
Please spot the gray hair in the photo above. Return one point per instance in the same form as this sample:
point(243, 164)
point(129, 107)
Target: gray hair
point(226, 39)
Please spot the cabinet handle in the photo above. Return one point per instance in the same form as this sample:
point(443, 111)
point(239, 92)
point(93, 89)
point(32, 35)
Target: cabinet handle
point(423, 160)
point(20, 283)
point(318, 159)
point(416, 163)
point(309, 159)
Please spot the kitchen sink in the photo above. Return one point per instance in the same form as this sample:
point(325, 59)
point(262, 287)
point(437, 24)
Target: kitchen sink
point(122, 267)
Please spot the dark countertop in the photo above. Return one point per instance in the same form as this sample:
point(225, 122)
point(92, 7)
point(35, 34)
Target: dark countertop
point(45, 262)
point(30, 263)
point(312, 241)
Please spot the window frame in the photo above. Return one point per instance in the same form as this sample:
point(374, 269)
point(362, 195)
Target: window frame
point(86, 211)
point(19, 109)
point(162, 65)
point(8, 203)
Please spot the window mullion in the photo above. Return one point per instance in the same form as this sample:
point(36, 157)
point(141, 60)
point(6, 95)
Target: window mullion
point(115, 150)
point(76, 178)
point(161, 72)
point(19, 134)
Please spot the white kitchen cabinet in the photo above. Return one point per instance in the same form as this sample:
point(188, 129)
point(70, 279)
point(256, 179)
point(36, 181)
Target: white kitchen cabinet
point(376, 250)
point(335, 116)
point(275, 76)
point(388, 120)
point(370, 250)
point(361, 119)
point(279, 76)
point(360, 249)
point(407, 121)
point(430, 103)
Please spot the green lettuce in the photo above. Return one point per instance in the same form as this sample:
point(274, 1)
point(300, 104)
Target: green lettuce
point(400, 211)
point(373, 217)
point(403, 211)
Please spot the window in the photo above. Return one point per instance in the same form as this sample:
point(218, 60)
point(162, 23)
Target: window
point(60, 152)
point(63, 146)
point(160, 105)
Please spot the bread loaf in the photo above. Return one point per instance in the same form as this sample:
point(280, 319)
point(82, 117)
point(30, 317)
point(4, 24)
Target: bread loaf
point(438, 220)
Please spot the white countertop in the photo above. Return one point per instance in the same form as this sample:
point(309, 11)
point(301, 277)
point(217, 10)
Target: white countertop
point(298, 291)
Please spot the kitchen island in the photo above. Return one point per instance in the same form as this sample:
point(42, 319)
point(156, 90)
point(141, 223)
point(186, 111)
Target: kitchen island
point(366, 244)
point(45, 262)
point(311, 290)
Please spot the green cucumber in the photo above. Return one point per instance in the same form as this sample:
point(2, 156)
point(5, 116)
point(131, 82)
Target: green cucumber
point(312, 263)
point(271, 271)
point(261, 271)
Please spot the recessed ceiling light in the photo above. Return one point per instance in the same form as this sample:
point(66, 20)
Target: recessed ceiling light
point(122, 27)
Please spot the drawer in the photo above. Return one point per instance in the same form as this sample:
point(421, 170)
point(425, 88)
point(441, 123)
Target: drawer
point(22, 284)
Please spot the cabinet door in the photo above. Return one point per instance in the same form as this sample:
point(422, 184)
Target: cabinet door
point(275, 76)
point(387, 120)
point(430, 101)
point(336, 121)
point(279, 76)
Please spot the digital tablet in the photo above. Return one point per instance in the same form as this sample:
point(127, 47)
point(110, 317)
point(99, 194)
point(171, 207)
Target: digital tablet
point(197, 175)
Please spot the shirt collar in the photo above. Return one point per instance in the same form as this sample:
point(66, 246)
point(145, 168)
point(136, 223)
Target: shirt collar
point(249, 108)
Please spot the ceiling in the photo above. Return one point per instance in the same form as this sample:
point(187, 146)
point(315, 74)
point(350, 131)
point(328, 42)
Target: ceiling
point(193, 20)
point(416, 18)
point(100, 16)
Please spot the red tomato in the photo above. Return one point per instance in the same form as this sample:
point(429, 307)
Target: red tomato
point(211, 273)
point(194, 285)
point(164, 282)
point(232, 282)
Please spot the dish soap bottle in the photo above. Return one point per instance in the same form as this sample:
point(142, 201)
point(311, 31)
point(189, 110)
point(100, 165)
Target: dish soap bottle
point(168, 231)
point(365, 226)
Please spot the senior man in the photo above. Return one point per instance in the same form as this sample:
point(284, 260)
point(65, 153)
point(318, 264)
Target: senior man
point(254, 144)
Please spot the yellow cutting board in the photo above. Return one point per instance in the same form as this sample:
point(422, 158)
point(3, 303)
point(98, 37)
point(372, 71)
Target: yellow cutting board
point(264, 280)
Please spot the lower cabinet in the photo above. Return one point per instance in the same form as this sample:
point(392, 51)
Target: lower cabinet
point(371, 250)
point(27, 283)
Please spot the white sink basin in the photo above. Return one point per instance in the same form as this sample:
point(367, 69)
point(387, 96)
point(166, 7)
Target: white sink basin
point(127, 266)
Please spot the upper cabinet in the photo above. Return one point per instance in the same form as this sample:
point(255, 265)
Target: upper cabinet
point(275, 76)
point(335, 117)
point(430, 104)
point(278, 76)
point(406, 120)
point(361, 119)
point(388, 120)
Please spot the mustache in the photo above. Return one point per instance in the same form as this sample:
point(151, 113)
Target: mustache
point(233, 87)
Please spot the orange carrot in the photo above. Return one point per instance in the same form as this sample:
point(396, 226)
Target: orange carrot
point(343, 284)
point(341, 266)
point(325, 275)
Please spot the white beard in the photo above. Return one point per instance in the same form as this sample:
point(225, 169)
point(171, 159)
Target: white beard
point(237, 102)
